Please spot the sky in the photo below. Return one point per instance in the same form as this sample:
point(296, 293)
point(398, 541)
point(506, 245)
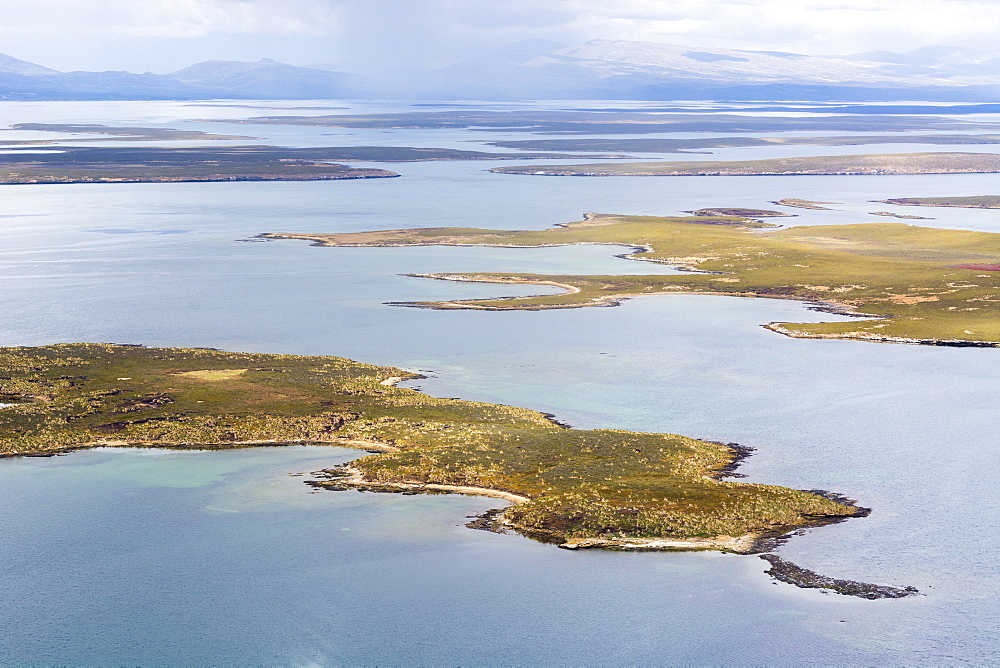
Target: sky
point(368, 35)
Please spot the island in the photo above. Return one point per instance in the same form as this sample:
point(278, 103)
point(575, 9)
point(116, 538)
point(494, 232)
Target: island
point(631, 121)
point(119, 133)
point(700, 145)
point(906, 284)
point(173, 165)
point(750, 214)
point(903, 216)
point(872, 164)
point(973, 202)
point(226, 163)
point(804, 204)
point(578, 488)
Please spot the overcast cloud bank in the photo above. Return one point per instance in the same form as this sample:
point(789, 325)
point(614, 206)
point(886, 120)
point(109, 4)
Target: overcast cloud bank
point(166, 35)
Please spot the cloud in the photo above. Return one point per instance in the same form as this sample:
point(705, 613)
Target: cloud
point(159, 34)
point(181, 19)
point(358, 34)
point(809, 26)
point(171, 18)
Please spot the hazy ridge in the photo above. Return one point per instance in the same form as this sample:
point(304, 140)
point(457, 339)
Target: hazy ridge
point(599, 69)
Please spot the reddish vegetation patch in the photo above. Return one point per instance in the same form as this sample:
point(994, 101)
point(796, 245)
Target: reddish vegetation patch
point(995, 266)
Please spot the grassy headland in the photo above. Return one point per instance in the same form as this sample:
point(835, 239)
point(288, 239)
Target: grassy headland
point(874, 164)
point(919, 284)
point(599, 487)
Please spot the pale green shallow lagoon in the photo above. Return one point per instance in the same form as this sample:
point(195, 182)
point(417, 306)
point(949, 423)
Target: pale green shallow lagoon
point(113, 557)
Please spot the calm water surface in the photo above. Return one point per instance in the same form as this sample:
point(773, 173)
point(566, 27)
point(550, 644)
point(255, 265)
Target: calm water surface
point(144, 556)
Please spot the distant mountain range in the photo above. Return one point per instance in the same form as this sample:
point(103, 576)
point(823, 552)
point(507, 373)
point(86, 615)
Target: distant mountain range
point(599, 69)
point(264, 79)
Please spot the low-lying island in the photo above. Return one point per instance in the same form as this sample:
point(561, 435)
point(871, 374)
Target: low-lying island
point(906, 284)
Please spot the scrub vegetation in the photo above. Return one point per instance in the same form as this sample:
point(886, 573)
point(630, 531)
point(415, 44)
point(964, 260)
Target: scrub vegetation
point(914, 284)
point(601, 487)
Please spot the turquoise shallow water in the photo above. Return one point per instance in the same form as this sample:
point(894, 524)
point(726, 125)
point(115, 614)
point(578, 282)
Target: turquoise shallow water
point(222, 558)
point(114, 557)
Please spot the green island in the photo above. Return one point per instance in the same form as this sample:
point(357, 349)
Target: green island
point(872, 164)
point(912, 284)
point(973, 202)
point(579, 488)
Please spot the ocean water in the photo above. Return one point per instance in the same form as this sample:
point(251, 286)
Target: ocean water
point(145, 556)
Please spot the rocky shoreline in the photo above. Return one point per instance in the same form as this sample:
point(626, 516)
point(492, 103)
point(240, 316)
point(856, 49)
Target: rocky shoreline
point(344, 477)
point(786, 571)
point(347, 477)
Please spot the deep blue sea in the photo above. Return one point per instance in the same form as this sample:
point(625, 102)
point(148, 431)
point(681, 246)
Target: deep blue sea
point(139, 557)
